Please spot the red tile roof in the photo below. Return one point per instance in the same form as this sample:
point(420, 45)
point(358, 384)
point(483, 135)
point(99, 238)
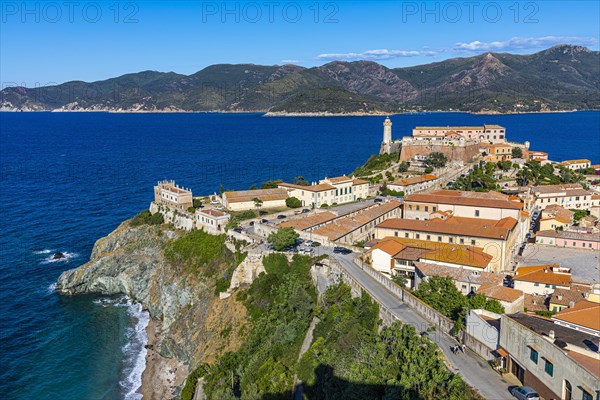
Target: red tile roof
point(466, 227)
point(456, 197)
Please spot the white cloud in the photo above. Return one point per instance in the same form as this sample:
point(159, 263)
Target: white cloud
point(378, 54)
point(523, 43)
point(291, 61)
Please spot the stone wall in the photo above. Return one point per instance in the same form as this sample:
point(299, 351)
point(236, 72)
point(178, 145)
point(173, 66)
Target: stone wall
point(180, 219)
point(464, 153)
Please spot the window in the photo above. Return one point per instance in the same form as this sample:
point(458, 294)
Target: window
point(406, 235)
point(434, 208)
point(472, 242)
point(395, 233)
point(549, 367)
point(477, 213)
point(536, 284)
point(533, 354)
point(450, 240)
point(428, 237)
point(418, 236)
point(574, 244)
point(439, 238)
point(462, 241)
point(418, 208)
point(410, 206)
point(586, 395)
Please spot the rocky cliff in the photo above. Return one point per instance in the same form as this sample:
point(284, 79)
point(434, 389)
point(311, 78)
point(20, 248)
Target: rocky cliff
point(191, 321)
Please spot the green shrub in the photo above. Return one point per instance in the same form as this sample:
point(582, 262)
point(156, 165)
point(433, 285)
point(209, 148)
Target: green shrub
point(197, 203)
point(197, 249)
point(283, 238)
point(293, 202)
point(145, 218)
point(428, 170)
point(324, 205)
point(191, 209)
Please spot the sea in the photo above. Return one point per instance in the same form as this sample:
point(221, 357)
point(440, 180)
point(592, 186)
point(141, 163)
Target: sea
point(67, 179)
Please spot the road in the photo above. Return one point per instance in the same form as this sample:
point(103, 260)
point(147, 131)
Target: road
point(474, 370)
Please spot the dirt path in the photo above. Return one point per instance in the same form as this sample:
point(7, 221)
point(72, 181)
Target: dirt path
point(305, 346)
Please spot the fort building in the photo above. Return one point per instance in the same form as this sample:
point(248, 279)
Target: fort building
point(172, 195)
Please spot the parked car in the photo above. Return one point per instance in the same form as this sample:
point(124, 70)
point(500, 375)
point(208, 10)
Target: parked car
point(251, 223)
point(309, 243)
point(525, 393)
point(306, 210)
point(264, 221)
point(281, 216)
point(378, 200)
point(238, 230)
point(342, 250)
point(315, 244)
point(219, 208)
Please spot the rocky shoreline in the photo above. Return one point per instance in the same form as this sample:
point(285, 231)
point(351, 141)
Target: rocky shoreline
point(162, 376)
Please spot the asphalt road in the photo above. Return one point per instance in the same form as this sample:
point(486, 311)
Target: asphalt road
point(474, 370)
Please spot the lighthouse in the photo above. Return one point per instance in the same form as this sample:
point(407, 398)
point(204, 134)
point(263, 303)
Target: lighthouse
point(386, 144)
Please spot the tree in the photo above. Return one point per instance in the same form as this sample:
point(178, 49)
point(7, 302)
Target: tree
point(505, 165)
point(253, 187)
point(517, 152)
point(428, 170)
point(441, 293)
point(271, 184)
point(293, 202)
point(283, 238)
point(299, 180)
point(403, 166)
point(578, 214)
point(436, 160)
point(257, 203)
point(479, 301)
point(197, 203)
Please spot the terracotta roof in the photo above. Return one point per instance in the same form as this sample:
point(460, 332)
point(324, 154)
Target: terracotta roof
point(303, 223)
point(543, 274)
point(501, 293)
point(459, 274)
point(321, 187)
point(584, 313)
point(449, 226)
point(564, 297)
point(339, 179)
point(342, 226)
point(595, 196)
point(262, 194)
point(569, 188)
point(456, 197)
point(414, 180)
point(557, 212)
point(493, 127)
point(359, 182)
point(592, 237)
point(569, 162)
point(450, 128)
point(214, 213)
point(413, 249)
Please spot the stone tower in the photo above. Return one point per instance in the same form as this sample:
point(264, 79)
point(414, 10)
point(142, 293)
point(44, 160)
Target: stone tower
point(386, 144)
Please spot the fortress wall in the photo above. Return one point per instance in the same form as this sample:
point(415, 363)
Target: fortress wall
point(454, 153)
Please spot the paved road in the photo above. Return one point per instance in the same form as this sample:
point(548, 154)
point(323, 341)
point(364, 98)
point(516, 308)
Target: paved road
point(474, 370)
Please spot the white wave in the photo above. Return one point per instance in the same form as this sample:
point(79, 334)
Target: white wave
point(45, 251)
point(67, 256)
point(52, 288)
point(135, 352)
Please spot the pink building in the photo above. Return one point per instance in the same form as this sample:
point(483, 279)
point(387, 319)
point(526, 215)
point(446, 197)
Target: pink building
point(574, 240)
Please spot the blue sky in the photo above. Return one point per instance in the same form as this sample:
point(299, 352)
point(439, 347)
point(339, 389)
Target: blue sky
point(47, 42)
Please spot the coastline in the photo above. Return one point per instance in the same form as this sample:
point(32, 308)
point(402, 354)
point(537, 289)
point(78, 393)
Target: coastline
point(266, 113)
point(162, 376)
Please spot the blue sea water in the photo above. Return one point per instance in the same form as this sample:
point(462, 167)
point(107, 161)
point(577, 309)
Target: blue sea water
point(67, 179)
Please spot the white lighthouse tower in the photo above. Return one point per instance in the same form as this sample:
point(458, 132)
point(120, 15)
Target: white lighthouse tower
point(386, 144)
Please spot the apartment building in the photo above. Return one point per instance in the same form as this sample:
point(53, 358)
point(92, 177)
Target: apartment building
point(413, 184)
point(571, 195)
point(328, 191)
point(541, 279)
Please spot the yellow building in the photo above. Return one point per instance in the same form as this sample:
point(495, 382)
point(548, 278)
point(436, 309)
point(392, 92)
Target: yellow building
point(497, 238)
point(498, 152)
point(555, 217)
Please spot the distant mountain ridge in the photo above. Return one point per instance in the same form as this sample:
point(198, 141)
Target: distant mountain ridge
point(560, 78)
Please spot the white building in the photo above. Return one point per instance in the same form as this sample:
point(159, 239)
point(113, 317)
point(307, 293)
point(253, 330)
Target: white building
point(212, 221)
point(246, 199)
point(338, 190)
point(541, 279)
point(576, 164)
point(414, 184)
point(569, 196)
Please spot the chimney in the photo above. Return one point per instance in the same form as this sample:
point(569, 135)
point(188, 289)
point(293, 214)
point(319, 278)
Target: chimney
point(551, 334)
